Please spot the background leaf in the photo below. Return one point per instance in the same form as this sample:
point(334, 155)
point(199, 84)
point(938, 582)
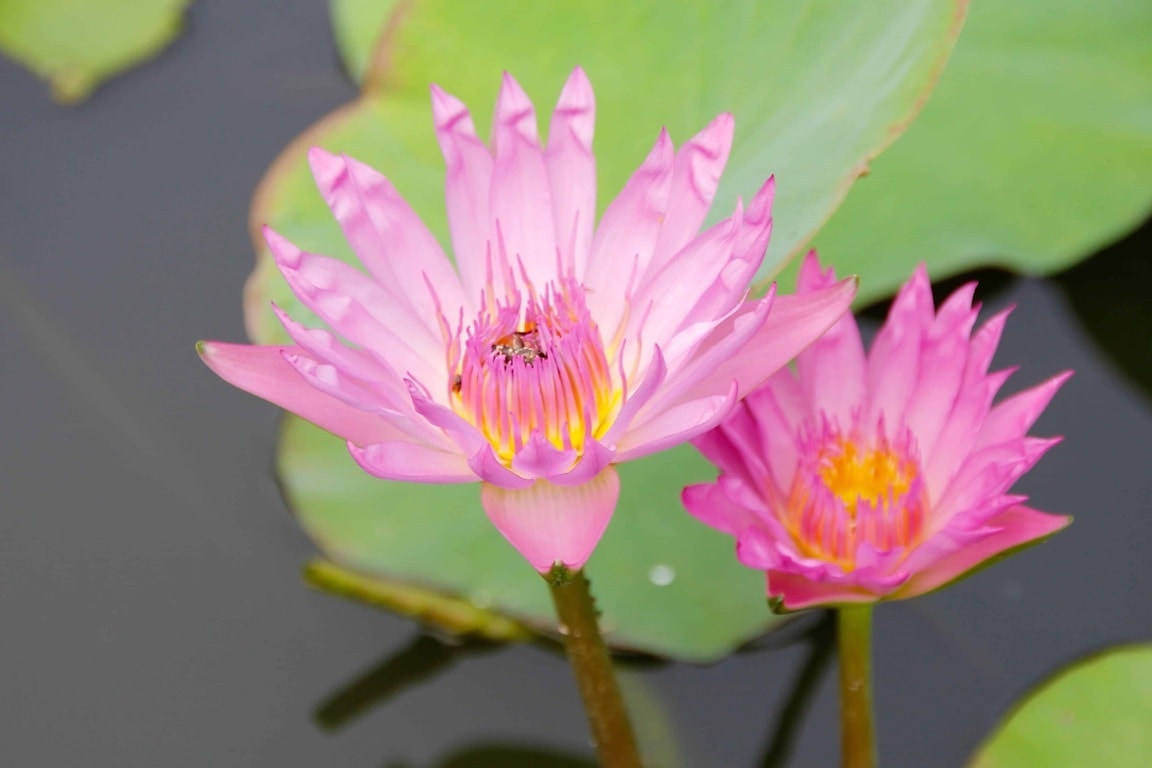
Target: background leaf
point(1093, 713)
point(76, 44)
point(1035, 150)
point(664, 583)
point(357, 25)
point(817, 89)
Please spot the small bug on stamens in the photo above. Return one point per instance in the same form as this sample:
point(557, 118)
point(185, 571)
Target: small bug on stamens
point(520, 344)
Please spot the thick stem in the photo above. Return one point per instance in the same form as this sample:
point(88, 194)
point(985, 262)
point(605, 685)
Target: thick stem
point(857, 732)
point(607, 718)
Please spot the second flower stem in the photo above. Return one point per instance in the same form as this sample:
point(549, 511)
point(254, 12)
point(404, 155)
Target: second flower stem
point(857, 730)
point(588, 656)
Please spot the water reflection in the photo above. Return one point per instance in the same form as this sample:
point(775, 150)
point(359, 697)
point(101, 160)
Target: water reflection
point(821, 643)
point(423, 659)
point(507, 756)
point(428, 656)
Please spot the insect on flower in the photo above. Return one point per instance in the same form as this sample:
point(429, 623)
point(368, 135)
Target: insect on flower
point(555, 348)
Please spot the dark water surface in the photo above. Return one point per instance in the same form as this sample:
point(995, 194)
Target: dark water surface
point(151, 609)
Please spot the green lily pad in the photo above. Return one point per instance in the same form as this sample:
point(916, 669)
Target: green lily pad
point(357, 25)
point(817, 90)
point(664, 583)
point(76, 44)
point(1092, 713)
point(1035, 150)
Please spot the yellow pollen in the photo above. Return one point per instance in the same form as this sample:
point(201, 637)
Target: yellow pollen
point(873, 476)
point(545, 375)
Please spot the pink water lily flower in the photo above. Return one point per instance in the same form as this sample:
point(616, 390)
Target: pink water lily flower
point(882, 476)
point(555, 348)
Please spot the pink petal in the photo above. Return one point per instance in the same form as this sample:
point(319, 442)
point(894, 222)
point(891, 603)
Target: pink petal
point(550, 523)
point(465, 436)
point(390, 239)
point(263, 371)
point(709, 504)
point(695, 177)
point(466, 187)
point(894, 359)
point(984, 343)
point(572, 171)
point(731, 285)
point(665, 299)
point(411, 462)
point(1013, 417)
point(324, 347)
point(943, 361)
point(626, 237)
point(736, 446)
point(330, 380)
point(832, 370)
point(796, 581)
point(958, 435)
point(753, 240)
point(520, 208)
point(357, 308)
point(797, 592)
point(675, 425)
point(593, 461)
point(639, 397)
point(700, 359)
point(987, 473)
point(793, 323)
point(540, 459)
point(779, 407)
point(492, 471)
point(1019, 526)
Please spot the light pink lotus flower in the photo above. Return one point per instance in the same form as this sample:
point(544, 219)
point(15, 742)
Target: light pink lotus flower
point(554, 349)
point(883, 476)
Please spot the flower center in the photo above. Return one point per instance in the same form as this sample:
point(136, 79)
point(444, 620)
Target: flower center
point(850, 491)
point(535, 365)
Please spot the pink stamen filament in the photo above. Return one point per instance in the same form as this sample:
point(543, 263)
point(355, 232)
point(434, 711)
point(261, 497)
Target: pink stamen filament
point(535, 366)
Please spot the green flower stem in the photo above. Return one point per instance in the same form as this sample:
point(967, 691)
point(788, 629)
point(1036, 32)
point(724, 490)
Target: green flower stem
point(857, 731)
point(607, 718)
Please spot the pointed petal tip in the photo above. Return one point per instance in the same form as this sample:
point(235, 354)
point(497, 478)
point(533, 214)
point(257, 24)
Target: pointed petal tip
point(320, 158)
point(284, 251)
point(511, 93)
point(576, 108)
point(447, 110)
point(718, 131)
point(577, 88)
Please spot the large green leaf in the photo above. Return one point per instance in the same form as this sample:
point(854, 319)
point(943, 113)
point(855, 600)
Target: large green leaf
point(1035, 150)
point(75, 44)
point(357, 25)
point(1093, 713)
point(664, 583)
point(817, 89)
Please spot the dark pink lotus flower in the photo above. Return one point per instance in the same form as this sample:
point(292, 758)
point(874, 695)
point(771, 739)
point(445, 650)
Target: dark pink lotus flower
point(882, 476)
point(554, 349)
